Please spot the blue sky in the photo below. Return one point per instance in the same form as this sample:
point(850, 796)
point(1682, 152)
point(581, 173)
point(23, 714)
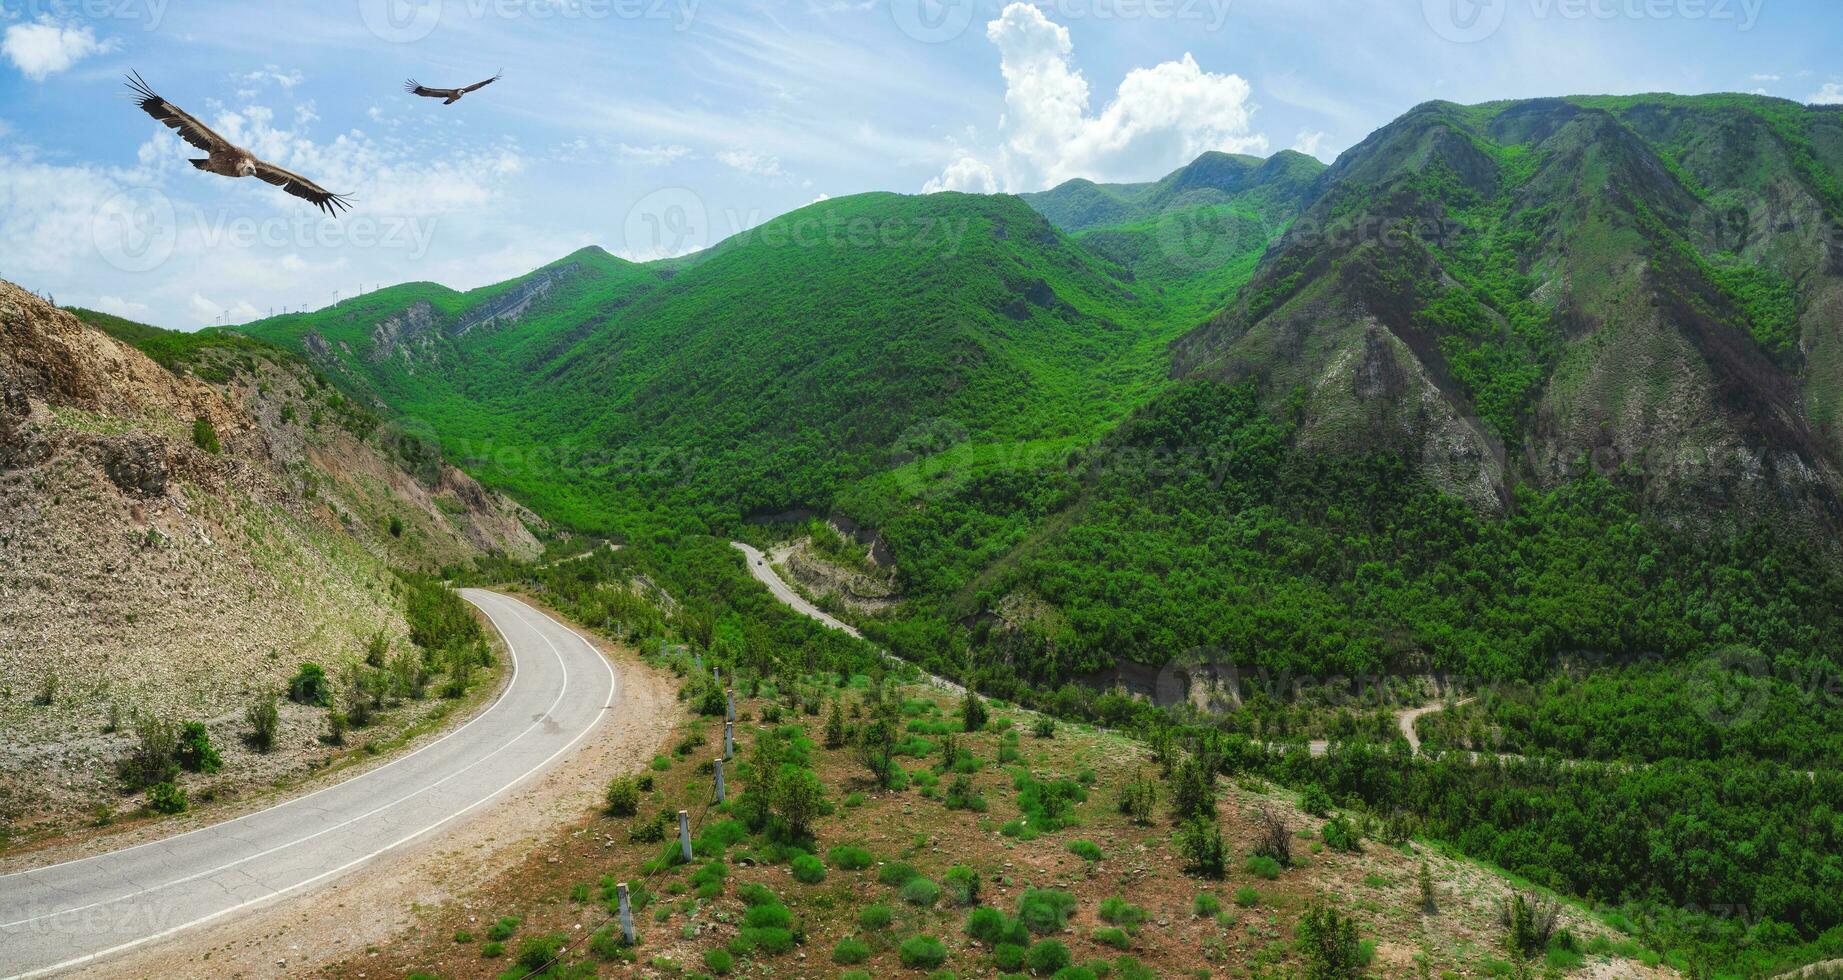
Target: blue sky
point(652, 127)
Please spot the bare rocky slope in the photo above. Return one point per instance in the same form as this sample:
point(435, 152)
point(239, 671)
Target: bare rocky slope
point(145, 570)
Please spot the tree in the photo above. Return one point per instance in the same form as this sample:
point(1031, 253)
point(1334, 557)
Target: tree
point(835, 726)
point(1529, 922)
point(1205, 855)
point(798, 799)
point(877, 750)
point(309, 685)
point(1329, 942)
point(1428, 906)
point(1276, 838)
point(195, 753)
point(973, 713)
point(264, 719)
point(154, 758)
point(1139, 799)
point(1194, 796)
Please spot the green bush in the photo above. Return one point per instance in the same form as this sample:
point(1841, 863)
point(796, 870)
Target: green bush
point(973, 713)
point(1339, 835)
point(265, 720)
point(768, 939)
point(1009, 956)
point(1120, 912)
point(310, 686)
point(1087, 850)
point(1110, 936)
point(1329, 942)
point(921, 891)
point(768, 916)
point(1045, 911)
point(719, 961)
point(1263, 867)
point(1316, 801)
point(850, 857)
point(1205, 855)
point(874, 917)
point(1205, 905)
point(195, 753)
point(962, 883)
point(1247, 897)
point(503, 929)
point(623, 797)
point(538, 952)
point(1047, 956)
point(988, 925)
point(850, 950)
point(164, 797)
point(492, 950)
point(155, 755)
point(808, 869)
point(922, 952)
point(896, 874)
point(205, 435)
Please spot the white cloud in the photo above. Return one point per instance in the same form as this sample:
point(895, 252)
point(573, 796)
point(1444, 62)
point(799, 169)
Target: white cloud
point(1830, 94)
point(1309, 143)
point(964, 174)
point(273, 73)
point(752, 163)
point(1159, 119)
point(45, 47)
point(653, 156)
point(118, 306)
point(1764, 78)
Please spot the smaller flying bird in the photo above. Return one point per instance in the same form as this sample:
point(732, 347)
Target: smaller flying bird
point(449, 96)
point(227, 159)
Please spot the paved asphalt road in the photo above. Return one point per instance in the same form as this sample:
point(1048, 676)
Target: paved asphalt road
point(69, 914)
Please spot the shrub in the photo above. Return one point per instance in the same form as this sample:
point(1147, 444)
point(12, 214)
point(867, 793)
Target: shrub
point(1339, 835)
point(396, 526)
point(1044, 727)
point(1194, 795)
point(808, 869)
point(1205, 905)
point(874, 917)
point(336, 725)
point(1201, 845)
point(538, 952)
point(205, 435)
point(194, 752)
point(154, 757)
point(973, 713)
point(921, 891)
point(503, 929)
point(1247, 897)
point(1047, 956)
point(896, 874)
point(988, 925)
point(265, 720)
point(1530, 922)
point(1139, 799)
point(1044, 911)
point(1120, 912)
point(835, 727)
point(963, 795)
point(850, 950)
point(310, 686)
point(164, 797)
point(1087, 850)
point(1329, 942)
point(1116, 938)
point(492, 950)
point(719, 961)
point(1315, 801)
point(1009, 956)
point(623, 797)
point(1263, 867)
point(47, 691)
point(922, 952)
point(1276, 838)
point(962, 884)
point(850, 857)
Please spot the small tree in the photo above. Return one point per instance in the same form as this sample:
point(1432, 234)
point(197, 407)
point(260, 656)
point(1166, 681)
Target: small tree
point(623, 797)
point(973, 713)
point(798, 800)
point(1529, 922)
point(265, 720)
point(877, 750)
point(47, 690)
point(835, 726)
point(1276, 838)
point(336, 725)
point(1428, 906)
point(154, 757)
point(195, 753)
point(1329, 942)
point(1316, 801)
point(377, 649)
point(205, 435)
point(309, 685)
point(1194, 796)
point(1139, 799)
point(1204, 853)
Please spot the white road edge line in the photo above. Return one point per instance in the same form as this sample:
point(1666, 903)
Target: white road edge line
point(323, 832)
point(324, 789)
point(613, 688)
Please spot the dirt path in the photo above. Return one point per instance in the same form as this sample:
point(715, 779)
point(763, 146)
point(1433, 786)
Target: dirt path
point(375, 903)
point(1404, 720)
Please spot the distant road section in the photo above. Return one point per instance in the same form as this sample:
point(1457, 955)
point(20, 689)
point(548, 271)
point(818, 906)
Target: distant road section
point(70, 914)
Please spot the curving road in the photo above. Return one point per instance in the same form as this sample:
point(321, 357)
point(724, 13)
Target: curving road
point(66, 915)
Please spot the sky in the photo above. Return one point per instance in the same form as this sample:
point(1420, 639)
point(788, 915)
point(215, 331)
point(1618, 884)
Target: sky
point(657, 127)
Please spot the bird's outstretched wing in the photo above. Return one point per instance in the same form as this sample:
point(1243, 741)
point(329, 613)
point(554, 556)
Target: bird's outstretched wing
point(415, 88)
point(479, 85)
point(189, 128)
point(302, 188)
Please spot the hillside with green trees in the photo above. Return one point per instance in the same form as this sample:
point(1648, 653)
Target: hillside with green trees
point(1543, 392)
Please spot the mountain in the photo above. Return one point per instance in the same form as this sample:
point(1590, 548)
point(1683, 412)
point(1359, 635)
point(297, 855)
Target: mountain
point(1647, 287)
point(179, 531)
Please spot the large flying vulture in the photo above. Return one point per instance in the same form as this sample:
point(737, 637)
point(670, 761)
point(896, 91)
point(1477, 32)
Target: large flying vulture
point(227, 159)
point(449, 96)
